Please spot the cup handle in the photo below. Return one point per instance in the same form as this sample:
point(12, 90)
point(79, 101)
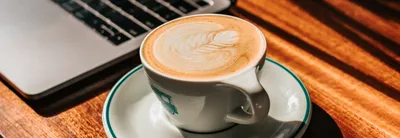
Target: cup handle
point(258, 99)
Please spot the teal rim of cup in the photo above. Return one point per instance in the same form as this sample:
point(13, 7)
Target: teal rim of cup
point(126, 76)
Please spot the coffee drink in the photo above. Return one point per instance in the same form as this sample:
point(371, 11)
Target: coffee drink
point(203, 47)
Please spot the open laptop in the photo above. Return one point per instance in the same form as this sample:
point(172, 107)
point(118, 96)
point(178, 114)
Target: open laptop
point(47, 45)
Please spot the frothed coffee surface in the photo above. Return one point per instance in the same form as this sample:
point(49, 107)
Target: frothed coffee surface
point(203, 47)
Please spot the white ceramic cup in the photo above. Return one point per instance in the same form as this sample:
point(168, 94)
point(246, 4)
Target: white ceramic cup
point(207, 106)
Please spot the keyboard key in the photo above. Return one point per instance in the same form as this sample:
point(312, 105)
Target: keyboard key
point(152, 22)
point(99, 6)
point(133, 28)
point(143, 1)
point(88, 1)
point(71, 6)
point(119, 2)
point(202, 3)
point(103, 30)
point(130, 8)
point(155, 7)
point(147, 19)
point(125, 23)
point(94, 22)
point(90, 19)
point(118, 38)
point(168, 14)
point(149, 3)
point(83, 14)
point(116, 2)
point(113, 15)
point(183, 6)
point(101, 27)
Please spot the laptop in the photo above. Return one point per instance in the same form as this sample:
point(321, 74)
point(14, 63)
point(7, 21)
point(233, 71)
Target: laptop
point(46, 45)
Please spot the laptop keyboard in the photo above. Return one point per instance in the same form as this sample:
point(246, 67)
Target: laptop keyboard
point(121, 20)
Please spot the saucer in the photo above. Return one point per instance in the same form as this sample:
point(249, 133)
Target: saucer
point(131, 109)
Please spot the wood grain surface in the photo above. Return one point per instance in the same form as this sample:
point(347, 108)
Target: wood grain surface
point(346, 52)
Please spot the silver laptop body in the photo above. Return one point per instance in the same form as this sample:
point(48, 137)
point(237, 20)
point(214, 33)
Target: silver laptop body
point(44, 48)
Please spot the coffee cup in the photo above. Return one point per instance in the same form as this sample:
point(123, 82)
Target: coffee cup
point(203, 69)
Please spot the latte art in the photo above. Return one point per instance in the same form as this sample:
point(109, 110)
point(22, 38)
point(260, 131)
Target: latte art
point(199, 46)
point(203, 47)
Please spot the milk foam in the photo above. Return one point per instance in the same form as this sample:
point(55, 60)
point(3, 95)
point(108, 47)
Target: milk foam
point(203, 47)
point(196, 46)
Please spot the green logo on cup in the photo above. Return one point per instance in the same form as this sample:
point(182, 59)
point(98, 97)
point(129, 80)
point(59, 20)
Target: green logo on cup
point(166, 100)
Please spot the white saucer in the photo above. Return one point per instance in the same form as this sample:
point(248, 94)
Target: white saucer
point(132, 111)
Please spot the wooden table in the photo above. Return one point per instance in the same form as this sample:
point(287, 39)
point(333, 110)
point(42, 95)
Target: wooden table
point(346, 53)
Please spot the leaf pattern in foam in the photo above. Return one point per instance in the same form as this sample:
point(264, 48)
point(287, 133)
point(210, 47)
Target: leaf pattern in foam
point(214, 41)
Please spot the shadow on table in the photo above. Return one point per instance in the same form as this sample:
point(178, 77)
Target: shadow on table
point(321, 126)
point(80, 92)
point(333, 61)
